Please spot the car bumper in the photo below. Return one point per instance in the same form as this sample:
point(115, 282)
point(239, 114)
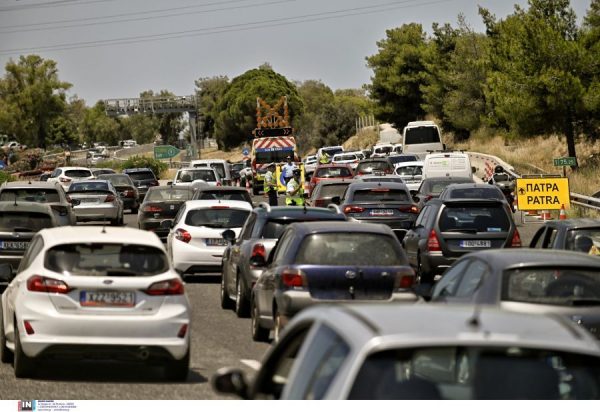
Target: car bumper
point(154, 225)
point(13, 260)
point(96, 212)
point(130, 203)
point(436, 264)
point(189, 259)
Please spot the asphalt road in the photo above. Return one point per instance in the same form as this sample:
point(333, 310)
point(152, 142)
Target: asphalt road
point(219, 339)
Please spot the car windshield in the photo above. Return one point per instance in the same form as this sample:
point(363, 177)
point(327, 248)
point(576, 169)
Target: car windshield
point(332, 151)
point(562, 286)
point(333, 172)
point(165, 194)
point(586, 240)
point(191, 175)
point(30, 195)
point(118, 180)
point(332, 190)
point(142, 175)
point(476, 193)
point(349, 249)
point(89, 186)
point(421, 135)
point(217, 217)
point(403, 158)
point(24, 221)
point(102, 172)
point(383, 149)
point(492, 218)
point(106, 259)
point(224, 195)
point(382, 194)
point(460, 372)
point(409, 170)
point(78, 173)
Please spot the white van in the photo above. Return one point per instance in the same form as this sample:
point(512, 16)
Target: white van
point(382, 149)
point(222, 167)
point(442, 164)
point(421, 137)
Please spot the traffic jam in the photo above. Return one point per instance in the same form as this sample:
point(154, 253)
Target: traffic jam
point(389, 273)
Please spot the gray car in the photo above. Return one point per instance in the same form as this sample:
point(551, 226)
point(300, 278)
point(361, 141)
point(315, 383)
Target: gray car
point(52, 194)
point(422, 352)
point(97, 200)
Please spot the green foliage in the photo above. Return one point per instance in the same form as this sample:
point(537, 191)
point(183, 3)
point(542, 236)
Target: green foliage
point(169, 125)
point(62, 131)
point(236, 110)
point(209, 91)
point(96, 126)
point(116, 165)
point(157, 166)
point(6, 177)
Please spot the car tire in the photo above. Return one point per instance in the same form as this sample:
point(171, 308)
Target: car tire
point(226, 303)
point(23, 364)
point(259, 334)
point(242, 308)
point(177, 370)
point(6, 356)
point(423, 276)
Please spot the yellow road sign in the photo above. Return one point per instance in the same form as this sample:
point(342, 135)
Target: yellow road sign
point(547, 193)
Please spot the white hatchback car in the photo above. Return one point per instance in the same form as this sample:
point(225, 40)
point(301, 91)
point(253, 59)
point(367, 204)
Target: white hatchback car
point(187, 176)
point(99, 293)
point(411, 173)
point(195, 242)
point(67, 175)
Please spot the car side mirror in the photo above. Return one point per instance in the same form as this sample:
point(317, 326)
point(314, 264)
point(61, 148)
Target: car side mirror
point(230, 381)
point(229, 235)
point(6, 273)
point(336, 200)
point(166, 224)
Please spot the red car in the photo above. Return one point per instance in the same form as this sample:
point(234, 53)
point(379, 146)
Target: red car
point(329, 171)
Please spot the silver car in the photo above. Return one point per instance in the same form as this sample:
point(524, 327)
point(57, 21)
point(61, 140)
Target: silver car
point(96, 200)
point(398, 352)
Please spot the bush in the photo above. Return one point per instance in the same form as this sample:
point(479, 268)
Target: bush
point(116, 165)
point(6, 177)
point(157, 166)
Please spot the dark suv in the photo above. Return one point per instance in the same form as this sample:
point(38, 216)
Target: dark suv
point(143, 178)
point(447, 229)
point(370, 166)
point(243, 261)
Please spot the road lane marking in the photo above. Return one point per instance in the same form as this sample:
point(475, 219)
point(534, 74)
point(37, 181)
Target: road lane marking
point(251, 363)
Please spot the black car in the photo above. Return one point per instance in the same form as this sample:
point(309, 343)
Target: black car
point(432, 187)
point(126, 189)
point(533, 281)
point(471, 191)
point(370, 166)
point(143, 179)
point(581, 235)
point(447, 229)
point(258, 236)
point(401, 158)
point(380, 202)
point(162, 203)
point(205, 192)
point(329, 262)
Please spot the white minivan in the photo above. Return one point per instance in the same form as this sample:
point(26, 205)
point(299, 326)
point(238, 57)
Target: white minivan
point(421, 137)
point(222, 167)
point(443, 164)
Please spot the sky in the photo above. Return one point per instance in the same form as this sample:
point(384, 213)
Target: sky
point(119, 48)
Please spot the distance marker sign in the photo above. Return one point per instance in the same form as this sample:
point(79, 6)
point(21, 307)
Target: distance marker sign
point(548, 193)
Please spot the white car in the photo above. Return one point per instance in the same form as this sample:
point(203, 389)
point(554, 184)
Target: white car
point(350, 159)
point(411, 173)
point(195, 242)
point(67, 175)
point(98, 293)
point(189, 175)
point(310, 164)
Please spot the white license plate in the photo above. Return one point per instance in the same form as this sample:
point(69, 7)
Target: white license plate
point(216, 242)
point(382, 212)
point(475, 243)
point(11, 245)
point(106, 298)
point(143, 187)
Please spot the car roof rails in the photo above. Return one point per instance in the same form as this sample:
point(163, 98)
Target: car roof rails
point(335, 208)
point(265, 205)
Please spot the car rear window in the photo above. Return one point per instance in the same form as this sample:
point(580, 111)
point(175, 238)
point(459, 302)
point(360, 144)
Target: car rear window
point(562, 286)
point(334, 172)
point(217, 217)
point(206, 175)
point(225, 195)
point(409, 170)
point(333, 190)
point(420, 135)
point(165, 194)
point(370, 166)
point(90, 186)
point(382, 194)
point(586, 240)
point(476, 193)
point(30, 195)
point(142, 175)
point(492, 218)
point(339, 158)
point(118, 180)
point(102, 172)
point(24, 221)
point(438, 186)
point(106, 259)
point(348, 249)
point(78, 173)
point(403, 158)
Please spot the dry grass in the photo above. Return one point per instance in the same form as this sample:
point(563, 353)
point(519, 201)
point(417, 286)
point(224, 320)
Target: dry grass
point(365, 139)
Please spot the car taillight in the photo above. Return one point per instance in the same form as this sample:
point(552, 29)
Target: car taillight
point(109, 198)
point(293, 278)
point(409, 209)
point(129, 193)
point(516, 239)
point(219, 183)
point(62, 210)
point(183, 235)
point(153, 183)
point(404, 279)
point(38, 283)
point(28, 328)
point(166, 287)
point(182, 331)
point(152, 209)
point(64, 179)
point(433, 243)
point(353, 209)
point(259, 250)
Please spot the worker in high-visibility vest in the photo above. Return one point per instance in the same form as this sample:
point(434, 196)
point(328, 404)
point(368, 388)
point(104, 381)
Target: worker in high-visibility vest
point(295, 191)
point(324, 159)
point(271, 185)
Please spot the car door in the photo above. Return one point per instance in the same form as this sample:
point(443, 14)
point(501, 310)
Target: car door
point(446, 287)
point(537, 240)
point(170, 236)
point(419, 230)
point(231, 257)
point(470, 282)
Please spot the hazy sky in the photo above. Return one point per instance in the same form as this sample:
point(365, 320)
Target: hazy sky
point(118, 48)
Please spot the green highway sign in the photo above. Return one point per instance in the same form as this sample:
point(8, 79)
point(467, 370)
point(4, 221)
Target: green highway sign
point(565, 161)
point(165, 152)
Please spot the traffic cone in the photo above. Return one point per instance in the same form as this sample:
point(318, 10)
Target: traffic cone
point(546, 215)
point(563, 213)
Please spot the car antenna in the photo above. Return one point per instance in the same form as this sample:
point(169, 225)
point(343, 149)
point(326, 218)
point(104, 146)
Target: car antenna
point(475, 321)
point(103, 226)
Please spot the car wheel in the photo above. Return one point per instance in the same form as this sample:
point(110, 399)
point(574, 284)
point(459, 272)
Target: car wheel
point(259, 334)
point(6, 356)
point(134, 210)
point(422, 275)
point(278, 325)
point(178, 370)
point(23, 364)
point(226, 303)
point(241, 299)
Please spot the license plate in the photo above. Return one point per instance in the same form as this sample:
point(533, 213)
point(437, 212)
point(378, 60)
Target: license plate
point(143, 187)
point(382, 212)
point(11, 245)
point(475, 243)
point(106, 298)
point(88, 200)
point(216, 242)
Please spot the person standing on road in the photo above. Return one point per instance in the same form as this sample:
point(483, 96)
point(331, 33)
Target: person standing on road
point(271, 185)
point(288, 170)
point(295, 191)
point(324, 159)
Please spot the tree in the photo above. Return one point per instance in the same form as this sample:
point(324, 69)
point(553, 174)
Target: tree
point(399, 71)
point(62, 132)
point(141, 128)
point(590, 41)
point(169, 125)
point(316, 96)
point(209, 91)
point(236, 110)
point(31, 97)
point(98, 127)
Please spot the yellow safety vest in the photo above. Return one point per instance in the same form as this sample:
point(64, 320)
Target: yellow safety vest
point(298, 198)
point(269, 182)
